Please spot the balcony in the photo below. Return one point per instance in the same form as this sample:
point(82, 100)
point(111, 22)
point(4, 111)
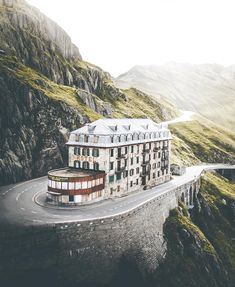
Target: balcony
point(146, 150)
point(120, 169)
point(145, 173)
point(156, 149)
point(122, 155)
point(145, 162)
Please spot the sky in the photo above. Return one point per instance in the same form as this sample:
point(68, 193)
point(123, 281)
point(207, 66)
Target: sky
point(118, 34)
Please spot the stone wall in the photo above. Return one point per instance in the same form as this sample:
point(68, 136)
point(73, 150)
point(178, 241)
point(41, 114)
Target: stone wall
point(89, 251)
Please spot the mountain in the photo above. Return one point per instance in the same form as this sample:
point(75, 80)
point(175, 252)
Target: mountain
point(208, 89)
point(47, 90)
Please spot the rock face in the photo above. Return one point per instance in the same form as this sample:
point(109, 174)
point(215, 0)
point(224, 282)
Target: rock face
point(46, 90)
point(200, 246)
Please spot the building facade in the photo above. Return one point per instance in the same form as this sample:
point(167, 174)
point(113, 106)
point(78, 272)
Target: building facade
point(128, 154)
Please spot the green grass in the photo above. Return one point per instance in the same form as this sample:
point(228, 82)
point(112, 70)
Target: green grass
point(201, 141)
point(139, 105)
point(38, 82)
point(207, 254)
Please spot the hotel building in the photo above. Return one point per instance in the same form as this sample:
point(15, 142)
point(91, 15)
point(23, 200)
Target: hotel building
point(109, 158)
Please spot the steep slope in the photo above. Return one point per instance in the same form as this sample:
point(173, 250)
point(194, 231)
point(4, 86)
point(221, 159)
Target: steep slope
point(201, 140)
point(207, 89)
point(201, 248)
point(46, 90)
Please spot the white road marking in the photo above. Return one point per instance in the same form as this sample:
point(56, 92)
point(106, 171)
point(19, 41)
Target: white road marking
point(33, 211)
point(22, 208)
point(19, 194)
point(25, 182)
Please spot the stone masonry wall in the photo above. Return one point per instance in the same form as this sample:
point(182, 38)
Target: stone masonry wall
point(87, 251)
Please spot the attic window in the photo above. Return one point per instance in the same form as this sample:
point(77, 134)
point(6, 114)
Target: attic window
point(91, 128)
point(113, 128)
point(145, 127)
point(127, 127)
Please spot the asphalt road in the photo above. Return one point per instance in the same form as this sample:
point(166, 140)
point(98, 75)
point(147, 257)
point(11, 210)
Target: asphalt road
point(18, 206)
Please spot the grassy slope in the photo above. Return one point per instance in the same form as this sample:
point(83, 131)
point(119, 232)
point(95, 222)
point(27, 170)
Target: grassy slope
point(201, 141)
point(136, 103)
point(201, 249)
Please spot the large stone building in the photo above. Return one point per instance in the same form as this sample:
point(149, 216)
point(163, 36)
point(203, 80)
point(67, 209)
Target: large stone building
point(112, 157)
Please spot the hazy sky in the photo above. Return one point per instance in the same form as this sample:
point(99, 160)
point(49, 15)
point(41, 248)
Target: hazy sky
point(118, 34)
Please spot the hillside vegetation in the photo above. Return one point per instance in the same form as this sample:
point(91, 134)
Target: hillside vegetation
point(201, 140)
point(201, 247)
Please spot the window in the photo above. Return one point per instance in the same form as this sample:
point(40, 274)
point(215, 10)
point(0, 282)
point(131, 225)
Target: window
point(137, 159)
point(53, 183)
point(137, 181)
point(132, 161)
point(131, 184)
point(77, 150)
point(111, 178)
point(132, 149)
point(71, 198)
point(154, 166)
point(137, 170)
point(126, 149)
point(111, 191)
point(77, 164)
point(96, 139)
point(119, 151)
point(125, 173)
point(154, 175)
point(119, 175)
point(84, 184)
point(158, 174)
point(95, 152)
point(86, 151)
point(159, 154)
point(78, 185)
point(154, 156)
point(111, 139)
point(85, 165)
point(158, 164)
point(111, 165)
point(64, 185)
point(58, 184)
point(71, 185)
point(125, 162)
point(118, 188)
point(96, 166)
point(131, 172)
point(86, 138)
point(111, 152)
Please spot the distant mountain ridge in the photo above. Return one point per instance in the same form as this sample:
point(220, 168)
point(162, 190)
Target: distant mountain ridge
point(208, 89)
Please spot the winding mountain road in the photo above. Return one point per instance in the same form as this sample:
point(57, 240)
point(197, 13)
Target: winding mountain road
point(21, 203)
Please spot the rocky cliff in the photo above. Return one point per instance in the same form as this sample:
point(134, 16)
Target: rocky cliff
point(46, 90)
point(201, 247)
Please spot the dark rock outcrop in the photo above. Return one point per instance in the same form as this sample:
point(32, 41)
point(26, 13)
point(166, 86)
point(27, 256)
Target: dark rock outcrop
point(46, 90)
